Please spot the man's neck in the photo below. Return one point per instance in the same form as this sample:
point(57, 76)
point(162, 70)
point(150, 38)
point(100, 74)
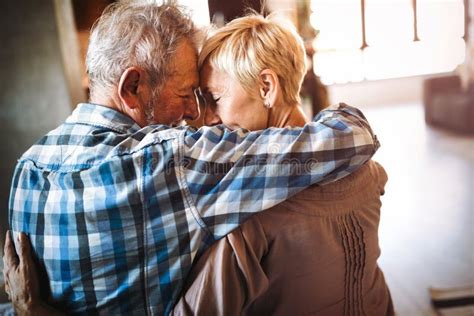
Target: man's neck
point(107, 101)
point(114, 103)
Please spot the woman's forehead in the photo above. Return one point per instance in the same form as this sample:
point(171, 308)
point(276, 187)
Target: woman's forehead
point(212, 78)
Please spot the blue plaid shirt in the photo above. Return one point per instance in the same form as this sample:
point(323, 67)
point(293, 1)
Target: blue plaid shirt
point(117, 213)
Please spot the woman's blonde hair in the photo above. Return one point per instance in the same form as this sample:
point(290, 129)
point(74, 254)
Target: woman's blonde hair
point(247, 45)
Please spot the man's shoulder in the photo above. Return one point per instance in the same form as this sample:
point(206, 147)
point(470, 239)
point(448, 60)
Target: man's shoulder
point(76, 147)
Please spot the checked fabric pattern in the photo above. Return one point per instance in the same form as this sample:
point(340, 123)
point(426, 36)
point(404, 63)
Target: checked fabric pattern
point(117, 213)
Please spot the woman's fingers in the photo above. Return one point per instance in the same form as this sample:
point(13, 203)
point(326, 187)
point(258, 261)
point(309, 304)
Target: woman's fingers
point(25, 247)
point(10, 258)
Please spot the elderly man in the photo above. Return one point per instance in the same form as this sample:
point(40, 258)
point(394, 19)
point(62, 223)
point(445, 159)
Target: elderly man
point(118, 201)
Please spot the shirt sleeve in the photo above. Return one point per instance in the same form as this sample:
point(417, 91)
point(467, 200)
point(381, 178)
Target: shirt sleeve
point(228, 277)
point(233, 174)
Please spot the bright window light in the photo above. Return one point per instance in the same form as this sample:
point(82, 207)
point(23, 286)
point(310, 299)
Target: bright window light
point(339, 24)
point(392, 51)
point(199, 10)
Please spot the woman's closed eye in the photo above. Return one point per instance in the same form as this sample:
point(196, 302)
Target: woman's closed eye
point(211, 99)
point(215, 99)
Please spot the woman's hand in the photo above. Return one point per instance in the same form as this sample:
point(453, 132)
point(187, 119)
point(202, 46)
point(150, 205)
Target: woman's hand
point(21, 278)
point(19, 273)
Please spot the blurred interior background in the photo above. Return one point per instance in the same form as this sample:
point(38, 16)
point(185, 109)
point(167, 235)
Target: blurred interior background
point(408, 64)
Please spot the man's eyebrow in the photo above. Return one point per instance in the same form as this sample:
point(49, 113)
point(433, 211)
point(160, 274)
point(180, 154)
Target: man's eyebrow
point(187, 88)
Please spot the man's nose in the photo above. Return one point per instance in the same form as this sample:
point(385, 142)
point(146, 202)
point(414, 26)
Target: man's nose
point(192, 110)
point(210, 116)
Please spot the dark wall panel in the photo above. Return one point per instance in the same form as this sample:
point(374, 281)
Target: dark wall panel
point(34, 97)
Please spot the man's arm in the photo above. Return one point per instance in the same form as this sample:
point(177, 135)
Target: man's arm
point(233, 174)
point(21, 279)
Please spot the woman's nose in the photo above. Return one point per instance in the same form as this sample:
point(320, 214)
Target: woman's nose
point(210, 116)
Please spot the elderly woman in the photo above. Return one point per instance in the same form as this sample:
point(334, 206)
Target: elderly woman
point(313, 254)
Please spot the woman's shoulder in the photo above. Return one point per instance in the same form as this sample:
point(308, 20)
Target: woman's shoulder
point(370, 176)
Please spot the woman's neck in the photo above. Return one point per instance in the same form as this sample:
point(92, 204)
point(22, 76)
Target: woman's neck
point(287, 116)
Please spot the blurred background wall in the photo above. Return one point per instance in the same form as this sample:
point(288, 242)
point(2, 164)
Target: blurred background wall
point(39, 62)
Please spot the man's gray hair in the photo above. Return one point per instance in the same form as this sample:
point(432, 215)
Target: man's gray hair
point(131, 34)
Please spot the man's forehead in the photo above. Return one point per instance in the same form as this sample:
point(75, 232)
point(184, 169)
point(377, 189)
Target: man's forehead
point(185, 75)
point(185, 70)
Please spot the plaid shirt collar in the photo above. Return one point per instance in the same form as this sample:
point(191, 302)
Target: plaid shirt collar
point(102, 116)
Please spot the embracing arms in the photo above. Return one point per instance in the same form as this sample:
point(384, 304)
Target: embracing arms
point(233, 174)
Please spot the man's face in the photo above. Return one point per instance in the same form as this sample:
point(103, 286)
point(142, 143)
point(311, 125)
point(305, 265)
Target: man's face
point(176, 101)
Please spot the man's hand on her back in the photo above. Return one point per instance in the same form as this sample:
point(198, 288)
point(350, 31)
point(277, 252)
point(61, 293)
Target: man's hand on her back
point(21, 278)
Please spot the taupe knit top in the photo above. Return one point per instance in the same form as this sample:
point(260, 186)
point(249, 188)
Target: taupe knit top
point(313, 254)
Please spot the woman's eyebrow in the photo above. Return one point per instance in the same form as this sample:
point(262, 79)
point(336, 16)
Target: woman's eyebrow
point(207, 89)
point(212, 89)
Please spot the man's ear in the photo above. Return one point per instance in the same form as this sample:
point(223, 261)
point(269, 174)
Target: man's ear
point(130, 81)
point(269, 87)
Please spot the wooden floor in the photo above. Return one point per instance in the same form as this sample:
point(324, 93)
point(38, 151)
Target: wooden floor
point(427, 225)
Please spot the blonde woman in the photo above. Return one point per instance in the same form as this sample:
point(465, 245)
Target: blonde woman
point(317, 252)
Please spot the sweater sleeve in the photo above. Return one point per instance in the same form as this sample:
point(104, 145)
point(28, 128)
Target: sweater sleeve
point(228, 277)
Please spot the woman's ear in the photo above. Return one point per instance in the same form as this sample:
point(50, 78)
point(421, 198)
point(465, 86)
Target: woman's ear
point(129, 85)
point(269, 87)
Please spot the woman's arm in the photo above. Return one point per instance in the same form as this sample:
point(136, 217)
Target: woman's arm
point(21, 279)
point(228, 277)
point(224, 281)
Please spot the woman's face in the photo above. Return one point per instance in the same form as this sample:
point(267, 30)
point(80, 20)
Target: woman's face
point(228, 103)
